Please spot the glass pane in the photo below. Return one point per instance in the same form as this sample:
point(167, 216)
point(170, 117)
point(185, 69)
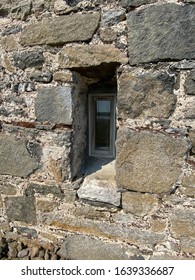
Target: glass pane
point(102, 124)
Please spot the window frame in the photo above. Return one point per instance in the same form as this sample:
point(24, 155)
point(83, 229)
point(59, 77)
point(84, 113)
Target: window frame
point(91, 130)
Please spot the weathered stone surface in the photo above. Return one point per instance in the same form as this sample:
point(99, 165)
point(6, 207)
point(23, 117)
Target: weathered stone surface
point(184, 65)
point(190, 83)
point(23, 253)
point(21, 208)
point(78, 247)
point(46, 206)
point(12, 30)
point(43, 190)
point(7, 189)
point(89, 55)
point(62, 8)
point(188, 184)
point(7, 64)
point(54, 105)
point(92, 61)
point(183, 223)
point(41, 77)
point(146, 95)
point(19, 9)
point(189, 1)
point(189, 180)
point(192, 139)
point(28, 59)
point(139, 204)
point(158, 225)
point(113, 231)
point(112, 16)
point(60, 30)
point(148, 162)
point(190, 110)
point(14, 157)
point(9, 43)
point(39, 6)
point(30, 232)
point(136, 3)
point(99, 190)
point(161, 32)
point(187, 245)
point(108, 35)
point(1, 202)
point(90, 212)
point(190, 191)
point(63, 76)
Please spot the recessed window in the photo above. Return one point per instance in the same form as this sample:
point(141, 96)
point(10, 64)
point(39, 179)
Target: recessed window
point(102, 125)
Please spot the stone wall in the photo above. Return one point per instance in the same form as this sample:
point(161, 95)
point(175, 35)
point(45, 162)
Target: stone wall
point(53, 52)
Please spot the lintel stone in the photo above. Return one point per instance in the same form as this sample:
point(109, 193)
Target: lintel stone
point(89, 55)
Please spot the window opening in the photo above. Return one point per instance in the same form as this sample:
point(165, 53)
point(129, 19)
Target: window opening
point(102, 125)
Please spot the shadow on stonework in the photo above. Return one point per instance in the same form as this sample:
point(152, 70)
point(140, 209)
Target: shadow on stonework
point(93, 164)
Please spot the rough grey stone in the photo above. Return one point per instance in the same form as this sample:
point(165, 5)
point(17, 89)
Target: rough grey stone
point(14, 157)
point(43, 189)
point(1, 202)
point(108, 35)
point(21, 208)
point(183, 223)
point(78, 247)
point(4, 112)
point(146, 95)
point(100, 191)
point(62, 8)
point(188, 245)
point(60, 30)
point(112, 16)
point(54, 105)
point(20, 9)
point(184, 65)
point(34, 149)
point(4, 8)
point(190, 83)
point(12, 253)
point(28, 59)
point(148, 162)
point(41, 5)
point(192, 139)
point(11, 30)
point(188, 183)
point(161, 32)
point(189, 1)
point(113, 231)
point(139, 204)
point(6, 188)
point(136, 3)
point(29, 232)
point(190, 110)
point(23, 253)
point(41, 77)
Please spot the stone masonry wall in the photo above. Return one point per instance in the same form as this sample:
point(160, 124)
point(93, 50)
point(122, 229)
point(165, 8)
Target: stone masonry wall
point(51, 53)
